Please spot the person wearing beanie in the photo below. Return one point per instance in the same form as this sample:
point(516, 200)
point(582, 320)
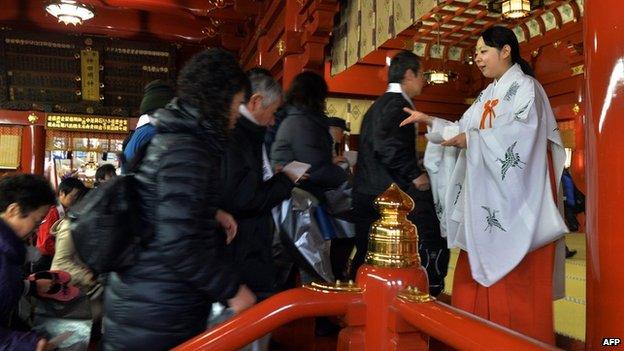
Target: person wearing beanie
point(156, 94)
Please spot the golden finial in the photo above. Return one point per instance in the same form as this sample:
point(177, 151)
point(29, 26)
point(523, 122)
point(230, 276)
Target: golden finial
point(393, 239)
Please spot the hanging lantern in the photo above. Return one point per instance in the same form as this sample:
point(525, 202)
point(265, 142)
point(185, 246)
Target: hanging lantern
point(514, 9)
point(69, 11)
point(436, 77)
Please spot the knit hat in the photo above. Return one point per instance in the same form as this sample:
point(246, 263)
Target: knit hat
point(338, 122)
point(156, 94)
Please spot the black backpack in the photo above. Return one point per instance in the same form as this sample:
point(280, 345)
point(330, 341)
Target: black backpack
point(106, 223)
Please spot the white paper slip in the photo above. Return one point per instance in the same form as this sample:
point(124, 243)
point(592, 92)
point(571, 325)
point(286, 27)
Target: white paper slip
point(434, 137)
point(296, 169)
point(450, 132)
point(58, 340)
point(351, 157)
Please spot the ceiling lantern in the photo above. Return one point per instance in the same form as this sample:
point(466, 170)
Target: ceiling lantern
point(514, 9)
point(69, 11)
point(436, 77)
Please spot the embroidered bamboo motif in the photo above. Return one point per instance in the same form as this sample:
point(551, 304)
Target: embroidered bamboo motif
point(438, 208)
point(479, 97)
point(488, 111)
point(512, 159)
point(458, 192)
point(522, 110)
point(513, 89)
point(491, 220)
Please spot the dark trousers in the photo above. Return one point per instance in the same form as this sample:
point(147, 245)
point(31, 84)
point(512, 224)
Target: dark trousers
point(432, 247)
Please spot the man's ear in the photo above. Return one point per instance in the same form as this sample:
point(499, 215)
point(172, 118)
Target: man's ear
point(255, 100)
point(13, 210)
point(409, 74)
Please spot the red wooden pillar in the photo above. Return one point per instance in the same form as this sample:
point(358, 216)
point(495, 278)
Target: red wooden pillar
point(604, 67)
point(292, 64)
point(33, 149)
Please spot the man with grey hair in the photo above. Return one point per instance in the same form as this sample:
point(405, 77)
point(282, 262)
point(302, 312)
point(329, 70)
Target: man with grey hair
point(251, 188)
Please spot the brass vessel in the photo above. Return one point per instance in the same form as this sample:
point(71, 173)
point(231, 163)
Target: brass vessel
point(393, 239)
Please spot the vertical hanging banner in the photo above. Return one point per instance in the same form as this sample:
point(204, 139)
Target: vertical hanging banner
point(367, 27)
point(90, 72)
point(383, 19)
point(421, 7)
point(403, 15)
point(339, 48)
point(353, 32)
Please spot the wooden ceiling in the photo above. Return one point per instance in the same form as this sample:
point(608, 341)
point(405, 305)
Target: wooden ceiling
point(459, 23)
point(226, 23)
point(206, 22)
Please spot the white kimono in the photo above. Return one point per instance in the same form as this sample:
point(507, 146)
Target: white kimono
point(494, 198)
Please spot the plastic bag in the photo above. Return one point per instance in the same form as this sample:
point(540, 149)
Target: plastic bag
point(301, 233)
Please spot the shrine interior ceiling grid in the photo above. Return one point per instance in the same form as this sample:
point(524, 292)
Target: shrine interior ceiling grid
point(366, 26)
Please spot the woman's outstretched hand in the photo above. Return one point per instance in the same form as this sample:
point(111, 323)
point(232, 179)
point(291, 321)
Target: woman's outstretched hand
point(416, 117)
point(458, 141)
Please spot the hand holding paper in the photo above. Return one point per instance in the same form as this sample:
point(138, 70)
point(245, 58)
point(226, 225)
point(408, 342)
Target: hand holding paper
point(295, 170)
point(351, 157)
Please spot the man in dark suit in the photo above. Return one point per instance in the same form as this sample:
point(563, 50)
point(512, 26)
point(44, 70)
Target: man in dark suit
point(251, 189)
point(387, 154)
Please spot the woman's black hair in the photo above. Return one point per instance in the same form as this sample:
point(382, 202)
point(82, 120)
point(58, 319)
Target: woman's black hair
point(309, 90)
point(29, 191)
point(498, 37)
point(209, 81)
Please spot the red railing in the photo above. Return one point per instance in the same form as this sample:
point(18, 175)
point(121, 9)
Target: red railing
point(453, 327)
point(269, 315)
point(463, 330)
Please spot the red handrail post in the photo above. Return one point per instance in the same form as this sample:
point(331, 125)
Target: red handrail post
point(373, 326)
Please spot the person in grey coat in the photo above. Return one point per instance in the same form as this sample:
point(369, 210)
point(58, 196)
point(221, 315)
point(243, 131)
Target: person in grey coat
point(304, 135)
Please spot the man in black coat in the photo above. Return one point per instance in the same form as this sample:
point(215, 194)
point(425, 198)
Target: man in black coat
point(387, 154)
point(251, 189)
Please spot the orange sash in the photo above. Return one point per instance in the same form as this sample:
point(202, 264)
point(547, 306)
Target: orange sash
point(488, 111)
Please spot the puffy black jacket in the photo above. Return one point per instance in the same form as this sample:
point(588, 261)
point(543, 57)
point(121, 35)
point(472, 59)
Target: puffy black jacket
point(250, 199)
point(304, 136)
point(164, 298)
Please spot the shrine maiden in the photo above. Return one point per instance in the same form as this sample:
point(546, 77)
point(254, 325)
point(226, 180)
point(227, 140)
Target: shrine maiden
point(494, 175)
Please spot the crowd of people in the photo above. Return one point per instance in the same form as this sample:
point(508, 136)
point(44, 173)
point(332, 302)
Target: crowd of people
point(211, 159)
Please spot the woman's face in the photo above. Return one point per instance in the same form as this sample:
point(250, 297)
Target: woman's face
point(233, 114)
point(492, 62)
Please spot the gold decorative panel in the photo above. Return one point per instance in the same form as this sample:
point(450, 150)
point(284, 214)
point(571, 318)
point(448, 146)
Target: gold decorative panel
point(90, 72)
point(10, 146)
point(87, 123)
